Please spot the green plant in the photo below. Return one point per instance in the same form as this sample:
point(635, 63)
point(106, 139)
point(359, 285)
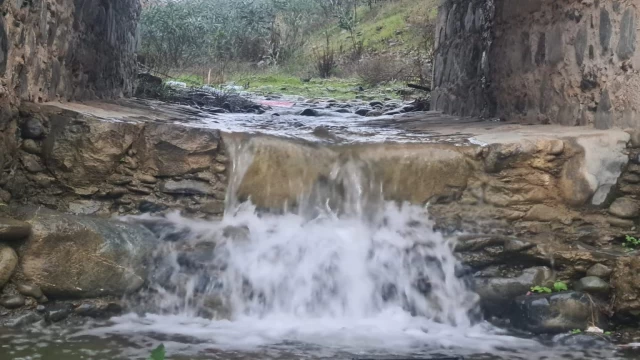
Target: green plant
point(631, 242)
point(541, 289)
point(560, 286)
point(158, 353)
point(576, 331)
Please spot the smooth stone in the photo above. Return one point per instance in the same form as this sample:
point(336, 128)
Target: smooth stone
point(30, 290)
point(12, 301)
point(11, 230)
point(374, 113)
point(32, 129)
point(58, 312)
point(187, 187)
point(343, 111)
point(213, 207)
point(363, 111)
point(147, 179)
point(31, 147)
point(8, 264)
point(592, 285)
point(599, 270)
point(376, 103)
point(497, 293)
point(583, 341)
point(24, 320)
point(624, 208)
point(309, 112)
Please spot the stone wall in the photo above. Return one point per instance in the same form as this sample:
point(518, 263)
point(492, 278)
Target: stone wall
point(461, 70)
point(68, 49)
point(563, 62)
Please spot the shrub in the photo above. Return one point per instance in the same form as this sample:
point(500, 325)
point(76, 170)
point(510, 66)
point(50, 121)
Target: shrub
point(380, 69)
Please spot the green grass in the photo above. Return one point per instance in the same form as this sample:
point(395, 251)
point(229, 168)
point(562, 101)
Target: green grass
point(335, 88)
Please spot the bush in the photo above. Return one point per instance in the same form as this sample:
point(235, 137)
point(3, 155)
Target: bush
point(381, 69)
point(325, 60)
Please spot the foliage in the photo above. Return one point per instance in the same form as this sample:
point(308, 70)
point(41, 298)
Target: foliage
point(325, 60)
point(631, 242)
point(560, 286)
point(158, 353)
point(541, 289)
point(576, 331)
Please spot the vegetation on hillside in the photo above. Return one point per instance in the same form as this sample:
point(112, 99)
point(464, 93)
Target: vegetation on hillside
point(370, 42)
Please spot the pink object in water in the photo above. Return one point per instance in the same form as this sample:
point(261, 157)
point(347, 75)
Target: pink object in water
point(272, 103)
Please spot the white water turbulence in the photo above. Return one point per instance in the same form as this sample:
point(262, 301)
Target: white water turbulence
point(359, 275)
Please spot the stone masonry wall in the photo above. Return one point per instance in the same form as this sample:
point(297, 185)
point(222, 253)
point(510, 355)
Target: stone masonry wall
point(61, 50)
point(461, 71)
point(564, 62)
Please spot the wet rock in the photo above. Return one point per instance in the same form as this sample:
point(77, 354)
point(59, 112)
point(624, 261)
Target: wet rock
point(213, 207)
point(27, 319)
point(147, 179)
point(363, 111)
point(376, 104)
point(11, 230)
point(12, 301)
point(31, 147)
point(8, 264)
point(58, 312)
point(374, 113)
point(592, 285)
point(187, 187)
point(497, 293)
point(31, 163)
point(32, 128)
point(626, 286)
point(343, 111)
point(146, 206)
point(583, 341)
point(555, 313)
point(625, 208)
point(138, 190)
point(92, 257)
point(309, 112)
point(86, 207)
point(236, 233)
point(599, 270)
point(99, 309)
point(30, 290)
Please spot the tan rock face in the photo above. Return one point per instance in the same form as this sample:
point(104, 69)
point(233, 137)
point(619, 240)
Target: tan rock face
point(77, 257)
point(626, 286)
point(8, 263)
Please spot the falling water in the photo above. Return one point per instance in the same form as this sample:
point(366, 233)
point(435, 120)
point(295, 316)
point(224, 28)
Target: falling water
point(345, 271)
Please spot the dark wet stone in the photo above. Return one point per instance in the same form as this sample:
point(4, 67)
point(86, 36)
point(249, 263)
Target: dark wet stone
point(592, 285)
point(376, 103)
point(23, 320)
point(30, 290)
point(99, 310)
point(151, 207)
point(581, 44)
point(58, 312)
point(309, 112)
point(12, 301)
point(604, 118)
point(555, 313)
point(497, 293)
point(187, 187)
point(627, 44)
point(555, 45)
point(599, 270)
point(11, 230)
point(237, 233)
point(343, 111)
point(584, 341)
point(363, 111)
point(605, 29)
point(32, 129)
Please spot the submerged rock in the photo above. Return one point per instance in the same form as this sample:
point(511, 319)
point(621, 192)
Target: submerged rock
point(583, 341)
point(76, 256)
point(309, 112)
point(555, 313)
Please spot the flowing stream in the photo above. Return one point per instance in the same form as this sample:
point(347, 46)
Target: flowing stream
point(343, 275)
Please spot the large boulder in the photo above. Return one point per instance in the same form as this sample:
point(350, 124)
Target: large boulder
point(556, 313)
point(78, 257)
